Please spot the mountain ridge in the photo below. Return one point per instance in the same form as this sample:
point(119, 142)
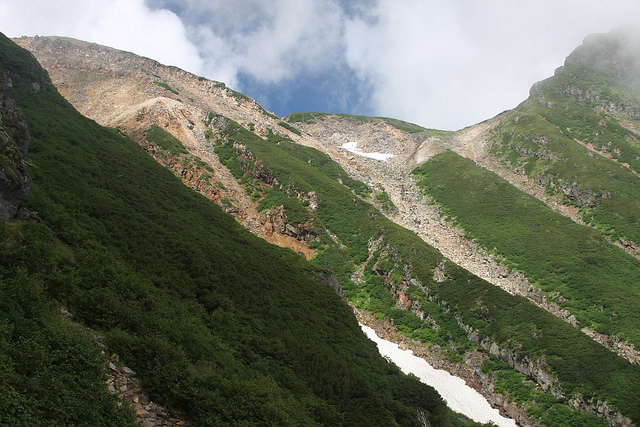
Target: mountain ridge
point(215, 322)
point(371, 134)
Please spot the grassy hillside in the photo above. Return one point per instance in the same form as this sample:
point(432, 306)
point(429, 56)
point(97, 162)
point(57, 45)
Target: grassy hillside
point(374, 257)
point(574, 265)
point(577, 135)
point(217, 323)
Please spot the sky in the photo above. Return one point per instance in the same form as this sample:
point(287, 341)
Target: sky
point(443, 64)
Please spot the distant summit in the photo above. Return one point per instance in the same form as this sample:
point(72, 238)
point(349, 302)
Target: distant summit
point(614, 54)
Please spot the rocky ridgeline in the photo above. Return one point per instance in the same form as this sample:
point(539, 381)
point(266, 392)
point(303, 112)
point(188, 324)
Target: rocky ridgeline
point(114, 88)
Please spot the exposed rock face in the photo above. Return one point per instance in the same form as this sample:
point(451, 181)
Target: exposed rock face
point(15, 182)
point(327, 279)
point(122, 381)
point(132, 93)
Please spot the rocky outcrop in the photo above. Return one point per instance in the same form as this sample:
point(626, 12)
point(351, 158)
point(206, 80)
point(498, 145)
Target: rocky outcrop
point(122, 381)
point(583, 197)
point(275, 221)
point(329, 280)
point(15, 182)
point(622, 348)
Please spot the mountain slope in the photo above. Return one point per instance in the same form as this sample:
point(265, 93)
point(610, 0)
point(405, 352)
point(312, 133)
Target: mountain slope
point(217, 323)
point(589, 106)
point(383, 268)
point(577, 135)
point(606, 70)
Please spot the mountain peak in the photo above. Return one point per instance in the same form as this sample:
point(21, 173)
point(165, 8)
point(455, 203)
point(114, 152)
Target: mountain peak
point(614, 54)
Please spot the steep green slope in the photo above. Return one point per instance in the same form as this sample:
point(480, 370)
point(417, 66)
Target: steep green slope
point(574, 265)
point(375, 258)
point(577, 134)
point(218, 324)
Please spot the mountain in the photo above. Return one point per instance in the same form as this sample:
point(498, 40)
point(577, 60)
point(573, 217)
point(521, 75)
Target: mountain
point(219, 326)
point(571, 145)
point(527, 322)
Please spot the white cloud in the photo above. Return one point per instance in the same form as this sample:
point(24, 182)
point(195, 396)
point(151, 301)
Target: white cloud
point(439, 63)
point(271, 42)
point(448, 64)
point(123, 24)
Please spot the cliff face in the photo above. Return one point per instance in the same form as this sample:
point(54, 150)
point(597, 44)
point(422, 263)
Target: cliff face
point(14, 142)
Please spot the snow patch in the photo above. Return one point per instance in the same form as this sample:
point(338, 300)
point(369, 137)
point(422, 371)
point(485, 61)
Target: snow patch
point(458, 395)
point(352, 147)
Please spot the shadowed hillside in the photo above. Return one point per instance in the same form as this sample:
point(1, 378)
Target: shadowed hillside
point(218, 324)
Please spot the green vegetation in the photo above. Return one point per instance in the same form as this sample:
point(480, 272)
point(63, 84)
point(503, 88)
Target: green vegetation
point(383, 200)
point(199, 162)
point(51, 373)
point(572, 271)
point(227, 154)
point(449, 294)
point(541, 138)
point(226, 203)
point(268, 114)
point(216, 322)
point(240, 96)
point(166, 86)
point(209, 118)
point(288, 127)
point(163, 139)
point(296, 212)
point(540, 406)
point(321, 161)
point(308, 118)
